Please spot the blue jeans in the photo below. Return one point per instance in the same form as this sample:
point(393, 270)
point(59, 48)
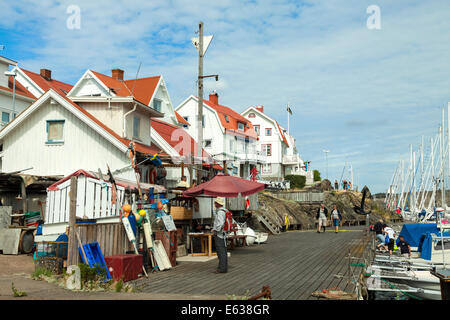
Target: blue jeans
point(221, 250)
point(380, 238)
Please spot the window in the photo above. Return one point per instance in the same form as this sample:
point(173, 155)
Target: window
point(256, 129)
point(136, 127)
point(267, 168)
point(267, 149)
point(55, 131)
point(268, 131)
point(5, 117)
point(240, 126)
point(226, 118)
point(207, 143)
point(251, 115)
point(157, 105)
point(186, 118)
point(231, 146)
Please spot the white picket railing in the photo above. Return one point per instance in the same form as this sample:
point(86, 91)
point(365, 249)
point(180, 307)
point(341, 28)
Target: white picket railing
point(93, 201)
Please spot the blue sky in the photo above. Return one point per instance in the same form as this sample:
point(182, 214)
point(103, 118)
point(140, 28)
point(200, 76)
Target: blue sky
point(363, 94)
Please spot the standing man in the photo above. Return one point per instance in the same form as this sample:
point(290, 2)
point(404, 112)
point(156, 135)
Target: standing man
point(336, 218)
point(336, 185)
point(322, 215)
point(220, 236)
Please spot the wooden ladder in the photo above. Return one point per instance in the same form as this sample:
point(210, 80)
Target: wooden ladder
point(269, 225)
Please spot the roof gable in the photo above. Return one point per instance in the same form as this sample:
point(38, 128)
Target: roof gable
point(275, 123)
point(45, 85)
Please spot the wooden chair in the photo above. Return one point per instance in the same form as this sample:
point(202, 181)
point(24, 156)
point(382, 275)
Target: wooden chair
point(240, 239)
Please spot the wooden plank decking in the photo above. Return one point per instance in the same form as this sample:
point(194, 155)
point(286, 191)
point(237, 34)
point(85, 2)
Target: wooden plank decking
point(293, 264)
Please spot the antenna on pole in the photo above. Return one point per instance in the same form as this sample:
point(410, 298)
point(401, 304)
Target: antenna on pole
point(134, 84)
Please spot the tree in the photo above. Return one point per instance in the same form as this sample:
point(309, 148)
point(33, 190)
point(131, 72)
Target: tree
point(297, 182)
point(317, 175)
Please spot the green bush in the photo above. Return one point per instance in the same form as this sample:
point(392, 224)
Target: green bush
point(297, 182)
point(317, 175)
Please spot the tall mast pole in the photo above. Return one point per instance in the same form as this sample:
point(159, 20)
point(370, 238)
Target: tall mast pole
point(200, 101)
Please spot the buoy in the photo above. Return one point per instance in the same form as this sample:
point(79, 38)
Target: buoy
point(126, 207)
point(142, 212)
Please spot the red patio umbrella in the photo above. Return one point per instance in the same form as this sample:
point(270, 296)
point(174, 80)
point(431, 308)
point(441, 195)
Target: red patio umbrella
point(224, 185)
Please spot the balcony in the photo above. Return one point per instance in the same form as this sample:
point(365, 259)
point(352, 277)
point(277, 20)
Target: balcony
point(291, 159)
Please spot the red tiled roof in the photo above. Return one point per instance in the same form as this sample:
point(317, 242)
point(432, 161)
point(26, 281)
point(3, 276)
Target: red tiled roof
point(142, 148)
point(45, 85)
point(233, 119)
point(166, 130)
point(180, 119)
point(20, 89)
point(282, 134)
point(143, 87)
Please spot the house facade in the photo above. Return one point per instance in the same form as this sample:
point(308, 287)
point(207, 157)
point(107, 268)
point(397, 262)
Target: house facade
point(14, 97)
point(277, 146)
point(228, 137)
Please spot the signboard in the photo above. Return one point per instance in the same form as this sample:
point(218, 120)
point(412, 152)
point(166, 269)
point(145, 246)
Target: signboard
point(168, 222)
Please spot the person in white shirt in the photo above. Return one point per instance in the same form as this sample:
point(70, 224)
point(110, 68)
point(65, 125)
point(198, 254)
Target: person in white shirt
point(389, 232)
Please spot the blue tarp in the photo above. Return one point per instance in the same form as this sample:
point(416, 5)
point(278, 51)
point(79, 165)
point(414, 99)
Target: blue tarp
point(426, 245)
point(413, 232)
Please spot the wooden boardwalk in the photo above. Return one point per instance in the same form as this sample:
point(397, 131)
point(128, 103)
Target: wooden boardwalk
point(293, 264)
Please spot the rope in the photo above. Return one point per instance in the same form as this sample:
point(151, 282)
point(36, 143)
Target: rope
point(404, 293)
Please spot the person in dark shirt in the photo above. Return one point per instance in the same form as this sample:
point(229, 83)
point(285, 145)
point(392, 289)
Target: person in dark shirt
point(405, 248)
point(378, 228)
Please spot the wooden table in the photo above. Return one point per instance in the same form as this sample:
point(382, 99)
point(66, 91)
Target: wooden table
point(206, 242)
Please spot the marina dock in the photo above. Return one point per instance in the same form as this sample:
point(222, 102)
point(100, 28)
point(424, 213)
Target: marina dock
point(293, 264)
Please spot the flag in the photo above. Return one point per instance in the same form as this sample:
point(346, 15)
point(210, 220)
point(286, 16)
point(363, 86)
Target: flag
point(289, 110)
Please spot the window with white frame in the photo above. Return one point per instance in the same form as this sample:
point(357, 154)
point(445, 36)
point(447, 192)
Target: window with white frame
point(240, 126)
point(267, 149)
point(136, 126)
point(268, 131)
point(256, 129)
point(232, 146)
point(251, 115)
point(5, 117)
point(267, 168)
point(157, 104)
point(55, 131)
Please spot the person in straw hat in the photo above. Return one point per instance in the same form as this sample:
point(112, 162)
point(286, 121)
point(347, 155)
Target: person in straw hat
point(220, 236)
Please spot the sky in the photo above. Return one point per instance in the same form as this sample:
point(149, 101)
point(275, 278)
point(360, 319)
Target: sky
point(362, 84)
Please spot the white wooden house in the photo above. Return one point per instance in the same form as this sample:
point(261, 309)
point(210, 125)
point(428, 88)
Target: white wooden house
point(227, 136)
point(14, 97)
point(282, 157)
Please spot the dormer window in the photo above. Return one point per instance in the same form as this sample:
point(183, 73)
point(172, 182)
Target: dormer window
point(240, 126)
point(157, 105)
point(226, 118)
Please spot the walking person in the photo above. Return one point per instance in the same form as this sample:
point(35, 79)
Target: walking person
point(336, 217)
point(220, 236)
point(322, 216)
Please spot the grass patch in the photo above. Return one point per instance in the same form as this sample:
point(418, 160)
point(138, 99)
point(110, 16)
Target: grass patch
point(39, 272)
point(17, 293)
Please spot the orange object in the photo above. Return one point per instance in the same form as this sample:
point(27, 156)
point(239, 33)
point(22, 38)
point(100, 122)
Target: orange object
point(126, 207)
point(159, 205)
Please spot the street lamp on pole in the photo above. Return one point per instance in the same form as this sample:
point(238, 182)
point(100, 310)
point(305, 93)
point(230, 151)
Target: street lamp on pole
point(326, 158)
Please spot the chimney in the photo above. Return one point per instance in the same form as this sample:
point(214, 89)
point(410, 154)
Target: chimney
point(214, 97)
point(260, 108)
point(46, 74)
point(117, 74)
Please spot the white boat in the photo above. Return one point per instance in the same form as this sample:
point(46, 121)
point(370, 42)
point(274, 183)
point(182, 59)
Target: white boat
point(261, 237)
point(376, 284)
point(413, 278)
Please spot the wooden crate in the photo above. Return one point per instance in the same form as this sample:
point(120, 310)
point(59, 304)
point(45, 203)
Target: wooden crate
point(181, 213)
